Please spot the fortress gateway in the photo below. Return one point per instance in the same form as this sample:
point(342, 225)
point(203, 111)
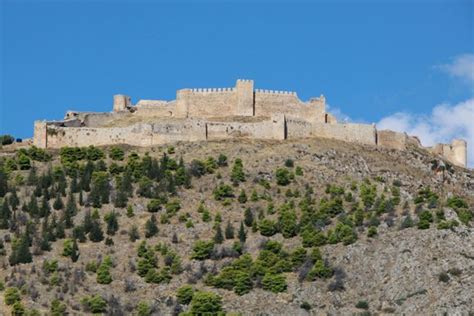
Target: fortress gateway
point(240, 112)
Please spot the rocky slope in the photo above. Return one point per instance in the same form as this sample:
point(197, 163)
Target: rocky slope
point(415, 270)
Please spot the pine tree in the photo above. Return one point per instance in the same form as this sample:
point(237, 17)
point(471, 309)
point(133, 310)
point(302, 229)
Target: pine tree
point(96, 234)
point(3, 183)
point(237, 175)
point(32, 178)
point(59, 232)
point(5, 215)
point(45, 208)
point(133, 233)
point(74, 251)
point(242, 233)
point(81, 198)
point(13, 200)
point(58, 202)
point(87, 222)
point(71, 210)
point(248, 217)
point(130, 211)
point(33, 208)
point(242, 197)
point(20, 251)
point(151, 229)
point(229, 231)
point(218, 237)
point(112, 223)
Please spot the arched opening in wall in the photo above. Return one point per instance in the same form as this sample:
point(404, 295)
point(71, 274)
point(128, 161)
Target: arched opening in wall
point(170, 113)
point(325, 118)
point(376, 138)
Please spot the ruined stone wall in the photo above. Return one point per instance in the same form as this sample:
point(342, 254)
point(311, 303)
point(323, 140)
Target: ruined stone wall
point(288, 103)
point(141, 134)
point(456, 152)
point(391, 139)
point(155, 108)
point(202, 103)
point(273, 128)
point(39, 134)
point(298, 128)
point(349, 132)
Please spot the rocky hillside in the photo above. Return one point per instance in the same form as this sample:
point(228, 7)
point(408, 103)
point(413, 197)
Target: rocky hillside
point(251, 228)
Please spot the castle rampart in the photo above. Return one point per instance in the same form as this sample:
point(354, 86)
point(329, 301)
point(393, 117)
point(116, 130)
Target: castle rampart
point(240, 112)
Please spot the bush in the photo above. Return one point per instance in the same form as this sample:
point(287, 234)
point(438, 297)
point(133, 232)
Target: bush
point(94, 304)
point(143, 309)
point(423, 224)
point(116, 153)
point(206, 303)
point(320, 270)
point(185, 294)
point(202, 249)
point(274, 282)
point(223, 191)
point(457, 202)
point(11, 295)
point(267, 227)
point(362, 305)
point(443, 277)
point(237, 174)
point(6, 139)
point(282, 176)
point(306, 306)
point(58, 308)
point(154, 205)
point(372, 231)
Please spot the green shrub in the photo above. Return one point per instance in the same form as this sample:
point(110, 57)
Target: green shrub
point(185, 294)
point(206, 303)
point(11, 295)
point(362, 305)
point(94, 304)
point(202, 249)
point(116, 153)
point(223, 191)
point(237, 175)
point(457, 202)
point(274, 282)
point(320, 270)
point(443, 277)
point(154, 205)
point(267, 227)
point(464, 215)
point(282, 176)
point(372, 231)
point(423, 224)
point(143, 309)
point(58, 308)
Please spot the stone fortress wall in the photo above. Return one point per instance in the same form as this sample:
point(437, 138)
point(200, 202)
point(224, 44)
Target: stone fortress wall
point(221, 113)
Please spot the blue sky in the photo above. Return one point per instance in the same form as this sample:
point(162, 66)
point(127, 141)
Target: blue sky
point(371, 59)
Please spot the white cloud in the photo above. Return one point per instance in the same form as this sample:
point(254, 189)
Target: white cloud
point(461, 67)
point(341, 117)
point(444, 123)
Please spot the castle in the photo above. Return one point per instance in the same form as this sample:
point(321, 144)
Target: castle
point(221, 113)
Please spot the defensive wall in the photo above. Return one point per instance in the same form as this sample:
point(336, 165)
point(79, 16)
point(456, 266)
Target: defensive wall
point(221, 113)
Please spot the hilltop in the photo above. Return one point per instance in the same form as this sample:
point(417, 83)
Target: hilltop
point(257, 227)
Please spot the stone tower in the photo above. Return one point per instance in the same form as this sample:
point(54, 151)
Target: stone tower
point(121, 102)
point(245, 98)
point(459, 152)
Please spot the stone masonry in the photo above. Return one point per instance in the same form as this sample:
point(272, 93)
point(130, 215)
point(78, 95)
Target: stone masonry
point(221, 113)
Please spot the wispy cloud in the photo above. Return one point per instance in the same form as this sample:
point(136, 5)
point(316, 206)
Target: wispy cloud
point(461, 67)
point(444, 123)
point(337, 112)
